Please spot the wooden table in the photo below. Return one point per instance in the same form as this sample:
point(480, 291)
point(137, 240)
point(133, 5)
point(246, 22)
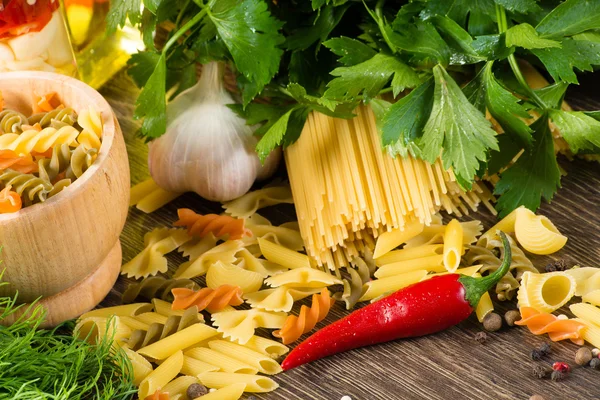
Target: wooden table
point(448, 365)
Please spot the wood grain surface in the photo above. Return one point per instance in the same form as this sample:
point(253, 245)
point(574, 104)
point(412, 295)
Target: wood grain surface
point(447, 365)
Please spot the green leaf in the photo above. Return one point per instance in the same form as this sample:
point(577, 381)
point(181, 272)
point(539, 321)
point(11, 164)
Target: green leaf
point(581, 132)
point(520, 6)
point(252, 36)
point(569, 18)
point(505, 108)
point(593, 114)
point(258, 113)
point(299, 94)
point(553, 94)
point(534, 176)
point(327, 19)
point(580, 54)
point(152, 5)
point(402, 125)
point(422, 39)
point(459, 40)
point(492, 47)
point(273, 136)
point(369, 77)
point(142, 65)
point(508, 149)
point(456, 130)
point(480, 13)
point(350, 51)
point(524, 35)
point(148, 27)
point(151, 103)
point(120, 11)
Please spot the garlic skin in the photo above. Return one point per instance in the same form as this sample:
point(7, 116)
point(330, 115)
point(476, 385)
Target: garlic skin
point(207, 148)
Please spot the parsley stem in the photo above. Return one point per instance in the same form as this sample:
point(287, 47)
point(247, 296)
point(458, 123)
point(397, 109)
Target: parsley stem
point(378, 17)
point(181, 12)
point(514, 65)
point(181, 31)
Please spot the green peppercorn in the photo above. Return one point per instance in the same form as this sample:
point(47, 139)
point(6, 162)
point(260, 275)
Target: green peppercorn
point(511, 317)
point(583, 356)
point(492, 322)
point(196, 390)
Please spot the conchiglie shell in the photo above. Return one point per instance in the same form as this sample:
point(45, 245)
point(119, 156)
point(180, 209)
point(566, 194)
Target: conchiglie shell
point(536, 233)
point(228, 274)
point(546, 292)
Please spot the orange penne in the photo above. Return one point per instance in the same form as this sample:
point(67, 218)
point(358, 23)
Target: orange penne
point(557, 329)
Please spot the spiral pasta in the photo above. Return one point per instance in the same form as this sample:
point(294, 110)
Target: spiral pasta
point(31, 188)
point(12, 121)
point(489, 252)
point(155, 287)
point(9, 201)
point(20, 163)
point(296, 326)
point(219, 225)
point(239, 325)
point(249, 203)
point(82, 158)
point(46, 102)
point(39, 141)
point(51, 168)
point(546, 292)
point(353, 287)
point(66, 115)
point(212, 300)
point(557, 329)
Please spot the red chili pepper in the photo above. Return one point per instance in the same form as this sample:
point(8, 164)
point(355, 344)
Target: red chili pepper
point(420, 309)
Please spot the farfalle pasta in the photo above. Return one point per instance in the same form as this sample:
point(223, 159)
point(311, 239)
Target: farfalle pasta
point(152, 260)
point(286, 235)
point(280, 299)
point(155, 287)
point(239, 325)
point(303, 278)
point(148, 197)
point(225, 252)
point(296, 326)
point(247, 260)
point(249, 203)
point(557, 329)
point(546, 292)
point(221, 273)
point(212, 300)
point(219, 225)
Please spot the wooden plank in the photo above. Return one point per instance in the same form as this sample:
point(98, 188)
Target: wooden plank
point(448, 365)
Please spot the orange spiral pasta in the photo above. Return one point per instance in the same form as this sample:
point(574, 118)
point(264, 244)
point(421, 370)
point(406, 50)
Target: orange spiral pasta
point(213, 300)
point(158, 395)
point(556, 328)
point(9, 201)
point(295, 327)
point(219, 225)
point(12, 160)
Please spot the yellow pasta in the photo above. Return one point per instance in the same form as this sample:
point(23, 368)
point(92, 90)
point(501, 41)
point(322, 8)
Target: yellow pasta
point(581, 276)
point(228, 274)
point(134, 324)
point(592, 297)
point(266, 346)
point(95, 329)
point(282, 256)
point(434, 234)
point(130, 310)
point(591, 333)
point(304, 278)
point(379, 287)
point(484, 307)
point(279, 299)
point(226, 363)
point(410, 254)
point(141, 367)
point(164, 308)
point(247, 260)
point(162, 375)
point(545, 292)
point(536, 233)
point(453, 245)
point(151, 318)
point(254, 383)
point(225, 252)
point(152, 260)
point(231, 392)
point(506, 225)
point(392, 239)
point(178, 341)
point(91, 122)
point(260, 361)
point(194, 367)
point(38, 141)
point(286, 235)
point(198, 246)
point(431, 263)
point(179, 386)
point(148, 197)
point(248, 204)
point(587, 312)
point(239, 325)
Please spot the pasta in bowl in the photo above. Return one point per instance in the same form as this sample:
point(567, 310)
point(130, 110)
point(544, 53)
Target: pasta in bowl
point(74, 197)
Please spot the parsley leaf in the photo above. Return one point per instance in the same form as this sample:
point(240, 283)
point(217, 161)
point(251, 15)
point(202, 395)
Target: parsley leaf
point(350, 51)
point(579, 130)
point(507, 150)
point(481, 13)
point(422, 39)
point(369, 77)
point(534, 176)
point(141, 66)
point(570, 18)
point(553, 94)
point(252, 36)
point(580, 54)
point(459, 40)
point(492, 47)
point(524, 35)
point(327, 19)
point(285, 130)
point(456, 130)
point(520, 6)
point(403, 122)
point(151, 103)
point(119, 11)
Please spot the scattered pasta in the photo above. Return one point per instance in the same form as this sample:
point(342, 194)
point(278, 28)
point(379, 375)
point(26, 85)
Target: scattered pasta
point(239, 325)
point(546, 292)
point(286, 235)
point(225, 252)
point(212, 300)
point(304, 278)
point(557, 329)
point(536, 233)
point(280, 299)
point(148, 197)
point(353, 287)
point(156, 287)
point(249, 203)
point(220, 274)
point(219, 225)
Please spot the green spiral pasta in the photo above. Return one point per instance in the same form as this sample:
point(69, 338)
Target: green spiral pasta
point(72, 162)
point(359, 275)
point(63, 115)
point(81, 159)
point(11, 121)
point(31, 188)
point(156, 287)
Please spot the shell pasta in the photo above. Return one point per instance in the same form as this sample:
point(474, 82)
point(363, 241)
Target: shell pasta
point(536, 233)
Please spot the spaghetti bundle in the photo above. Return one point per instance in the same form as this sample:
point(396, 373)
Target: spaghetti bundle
point(348, 190)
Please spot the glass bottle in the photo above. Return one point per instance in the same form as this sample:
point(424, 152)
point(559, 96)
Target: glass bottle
point(33, 36)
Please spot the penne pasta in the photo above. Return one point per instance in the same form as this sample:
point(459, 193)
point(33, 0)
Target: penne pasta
point(193, 366)
point(410, 254)
point(506, 225)
point(394, 238)
point(379, 287)
point(141, 367)
point(223, 361)
point(178, 386)
point(254, 383)
point(587, 312)
point(165, 308)
point(280, 255)
point(453, 245)
point(260, 361)
point(162, 375)
point(592, 297)
point(231, 392)
point(178, 341)
point(130, 310)
point(266, 346)
point(152, 318)
point(431, 263)
point(134, 323)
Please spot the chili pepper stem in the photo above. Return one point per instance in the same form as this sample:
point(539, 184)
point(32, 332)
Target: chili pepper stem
point(476, 287)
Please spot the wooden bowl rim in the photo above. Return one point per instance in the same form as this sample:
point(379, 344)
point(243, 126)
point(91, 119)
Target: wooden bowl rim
point(108, 134)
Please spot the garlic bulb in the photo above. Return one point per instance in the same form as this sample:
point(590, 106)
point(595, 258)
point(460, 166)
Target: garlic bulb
point(207, 148)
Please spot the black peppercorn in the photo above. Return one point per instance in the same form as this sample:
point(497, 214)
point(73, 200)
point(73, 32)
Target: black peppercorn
point(511, 317)
point(545, 349)
point(558, 376)
point(536, 355)
point(541, 371)
point(595, 363)
point(481, 337)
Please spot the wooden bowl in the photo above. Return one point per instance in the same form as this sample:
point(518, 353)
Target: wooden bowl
point(67, 249)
